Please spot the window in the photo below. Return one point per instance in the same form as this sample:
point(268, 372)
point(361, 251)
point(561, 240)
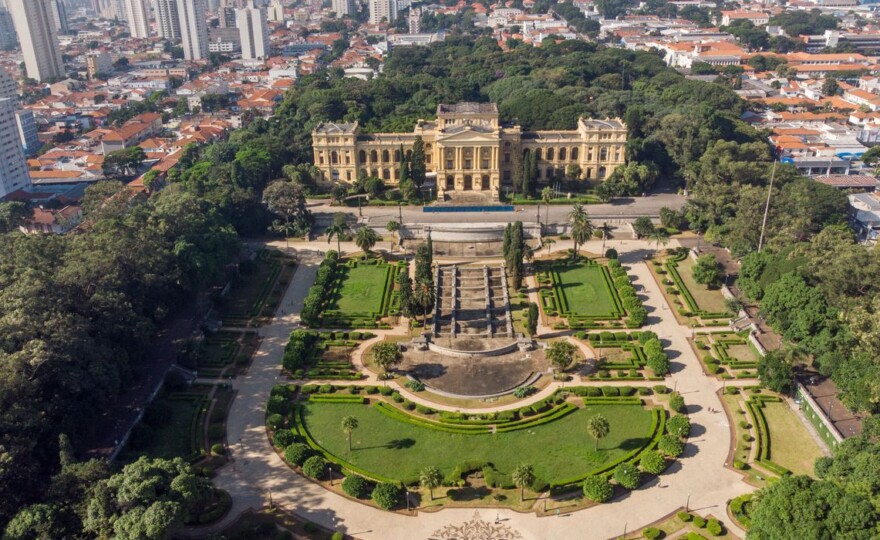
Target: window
point(386, 175)
point(321, 158)
point(601, 172)
point(450, 182)
point(537, 154)
point(374, 156)
point(484, 180)
point(574, 153)
point(385, 156)
point(603, 154)
point(362, 156)
point(334, 157)
point(397, 156)
point(549, 154)
point(562, 154)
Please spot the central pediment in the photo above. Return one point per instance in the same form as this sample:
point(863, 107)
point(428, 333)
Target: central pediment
point(466, 134)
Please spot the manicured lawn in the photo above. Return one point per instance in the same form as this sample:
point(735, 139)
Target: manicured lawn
point(743, 353)
point(708, 300)
point(169, 438)
point(585, 290)
point(559, 450)
point(612, 355)
point(791, 445)
point(363, 288)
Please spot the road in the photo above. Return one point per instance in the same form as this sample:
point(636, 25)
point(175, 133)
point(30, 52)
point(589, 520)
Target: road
point(624, 209)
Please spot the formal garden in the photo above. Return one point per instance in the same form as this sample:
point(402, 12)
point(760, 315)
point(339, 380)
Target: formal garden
point(226, 354)
point(685, 525)
point(727, 355)
point(591, 440)
point(588, 294)
point(254, 294)
point(692, 287)
point(322, 355)
point(353, 293)
point(626, 356)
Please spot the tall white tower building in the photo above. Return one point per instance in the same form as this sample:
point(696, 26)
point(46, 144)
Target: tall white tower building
point(138, 16)
point(35, 25)
point(13, 166)
point(193, 29)
point(254, 32)
point(59, 12)
point(276, 11)
point(382, 9)
point(344, 7)
point(167, 22)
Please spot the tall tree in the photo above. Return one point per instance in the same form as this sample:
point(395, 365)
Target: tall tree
point(349, 424)
point(365, 238)
point(430, 478)
point(523, 476)
point(598, 427)
point(424, 298)
point(417, 162)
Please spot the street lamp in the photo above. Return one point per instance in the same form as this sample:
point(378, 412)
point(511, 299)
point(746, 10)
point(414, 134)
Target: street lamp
point(330, 473)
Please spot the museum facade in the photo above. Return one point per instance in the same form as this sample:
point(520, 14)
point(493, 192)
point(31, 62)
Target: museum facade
point(468, 149)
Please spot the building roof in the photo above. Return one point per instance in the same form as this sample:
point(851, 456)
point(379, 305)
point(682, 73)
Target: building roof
point(848, 181)
point(467, 107)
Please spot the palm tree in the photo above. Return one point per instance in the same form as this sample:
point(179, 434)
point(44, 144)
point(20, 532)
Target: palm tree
point(430, 478)
point(598, 427)
point(659, 236)
point(392, 227)
point(548, 242)
point(581, 231)
point(349, 424)
point(287, 228)
point(338, 230)
point(424, 297)
point(547, 196)
point(606, 232)
point(365, 238)
point(522, 476)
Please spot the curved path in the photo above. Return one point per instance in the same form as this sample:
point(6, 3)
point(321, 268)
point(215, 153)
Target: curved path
point(258, 475)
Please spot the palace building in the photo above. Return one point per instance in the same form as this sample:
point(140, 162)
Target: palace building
point(468, 149)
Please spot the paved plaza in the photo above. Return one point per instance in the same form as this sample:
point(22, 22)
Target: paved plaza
point(698, 478)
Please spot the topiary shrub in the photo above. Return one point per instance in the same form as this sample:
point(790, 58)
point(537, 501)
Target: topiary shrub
point(652, 533)
point(714, 527)
point(597, 489)
point(298, 453)
point(218, 449)
point(670, 445)
point(699, 521)
point(679, 426)
point(387, 495)
point(627, 475)
point(676, 402)
point(284, 438)
point(356, 486)
point(685, 516)
point(275, 421)
point(337, 536)
point(611, 253)
point(315, 467)
point(652, 462)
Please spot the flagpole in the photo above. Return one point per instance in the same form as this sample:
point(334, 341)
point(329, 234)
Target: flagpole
point(767, 206)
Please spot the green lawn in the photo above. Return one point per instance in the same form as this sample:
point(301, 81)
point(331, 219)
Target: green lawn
point(169, 437)
point(585, 290)
point(742, 352)
point(791, 445)
point(708, 300)
point(363, 288)
point(558, 450)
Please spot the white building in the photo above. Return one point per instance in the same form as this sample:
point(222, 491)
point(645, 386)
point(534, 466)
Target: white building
point(8, 39)
point(98, 62)
point(59, 13)
point(35, 25)
point(167, 22)
point(27, 131)
point(344, 7)
point(254, 32)
point(13, 166)
point(383, 10)
point(193, 29)
point(276, 11)
point(138, 16)
point(415, 20)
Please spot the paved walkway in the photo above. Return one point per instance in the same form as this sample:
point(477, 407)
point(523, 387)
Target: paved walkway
point(698, 478)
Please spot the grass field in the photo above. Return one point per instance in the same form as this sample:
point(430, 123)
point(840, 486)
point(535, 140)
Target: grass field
point(363, 288)
point(170, 438)
point(585, 290)
point(612, 355)
point(558, 450)
point(709, 300)
point(743, 353)
point(791, 445)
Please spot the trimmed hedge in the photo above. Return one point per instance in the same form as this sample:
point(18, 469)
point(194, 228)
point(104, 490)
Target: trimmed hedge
point(755, 407)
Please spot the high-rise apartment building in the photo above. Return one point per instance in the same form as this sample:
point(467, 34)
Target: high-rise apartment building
point(138, 16)
point(254, 32)
point(13, 166)
point(414, 20)
point(8, 38)
point(35, 25)
point(275, 11)
point(193, 29)
point(383, 10)
point(343, 7)
point(98, 62)
point(59, 13)
point(226, 13)
point(27, 131)
point(167, 22)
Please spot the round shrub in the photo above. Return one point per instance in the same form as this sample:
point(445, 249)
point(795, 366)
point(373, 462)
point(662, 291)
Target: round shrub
point(611, 253)
point(699, 521)
point(679, 426)
point(387, 495)
point(278, 405)
point(275, 421)
point(337, 536)
point(737, 464)
point(597, 489)
point(670, 445)
point(714, 527)
point(284, 438)
point(659, 364)
point(684, 516)
point(676, 402)
point(652, 533)
point(356, 486)
point(744, 425)
point(315, 467)
point(298, 453)
point(218, 449)
point(652, 463)
point(627, 475)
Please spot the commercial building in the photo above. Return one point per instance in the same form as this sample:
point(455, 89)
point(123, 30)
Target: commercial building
point(138, 16)
point(13, 167)
point(193, 29)
point(35, 25)
point(167, 22)
point(254, 32)
point(469, 149)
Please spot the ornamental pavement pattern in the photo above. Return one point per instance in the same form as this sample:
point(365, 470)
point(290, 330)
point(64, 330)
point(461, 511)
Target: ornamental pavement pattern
point(477, 529)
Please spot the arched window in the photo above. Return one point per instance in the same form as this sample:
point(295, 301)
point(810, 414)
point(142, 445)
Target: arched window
point(562, 154)
point(574, 153)
point(537, 154)
point(362, 156)
point(320, 158)
point(589, 173)
point(334, 157)
point(409, 154)
point(374, 156)
point(397, 156)
point(603, 154)
point(386, 175)
point(601, 172)
point(385, 156)
point(549, 154)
